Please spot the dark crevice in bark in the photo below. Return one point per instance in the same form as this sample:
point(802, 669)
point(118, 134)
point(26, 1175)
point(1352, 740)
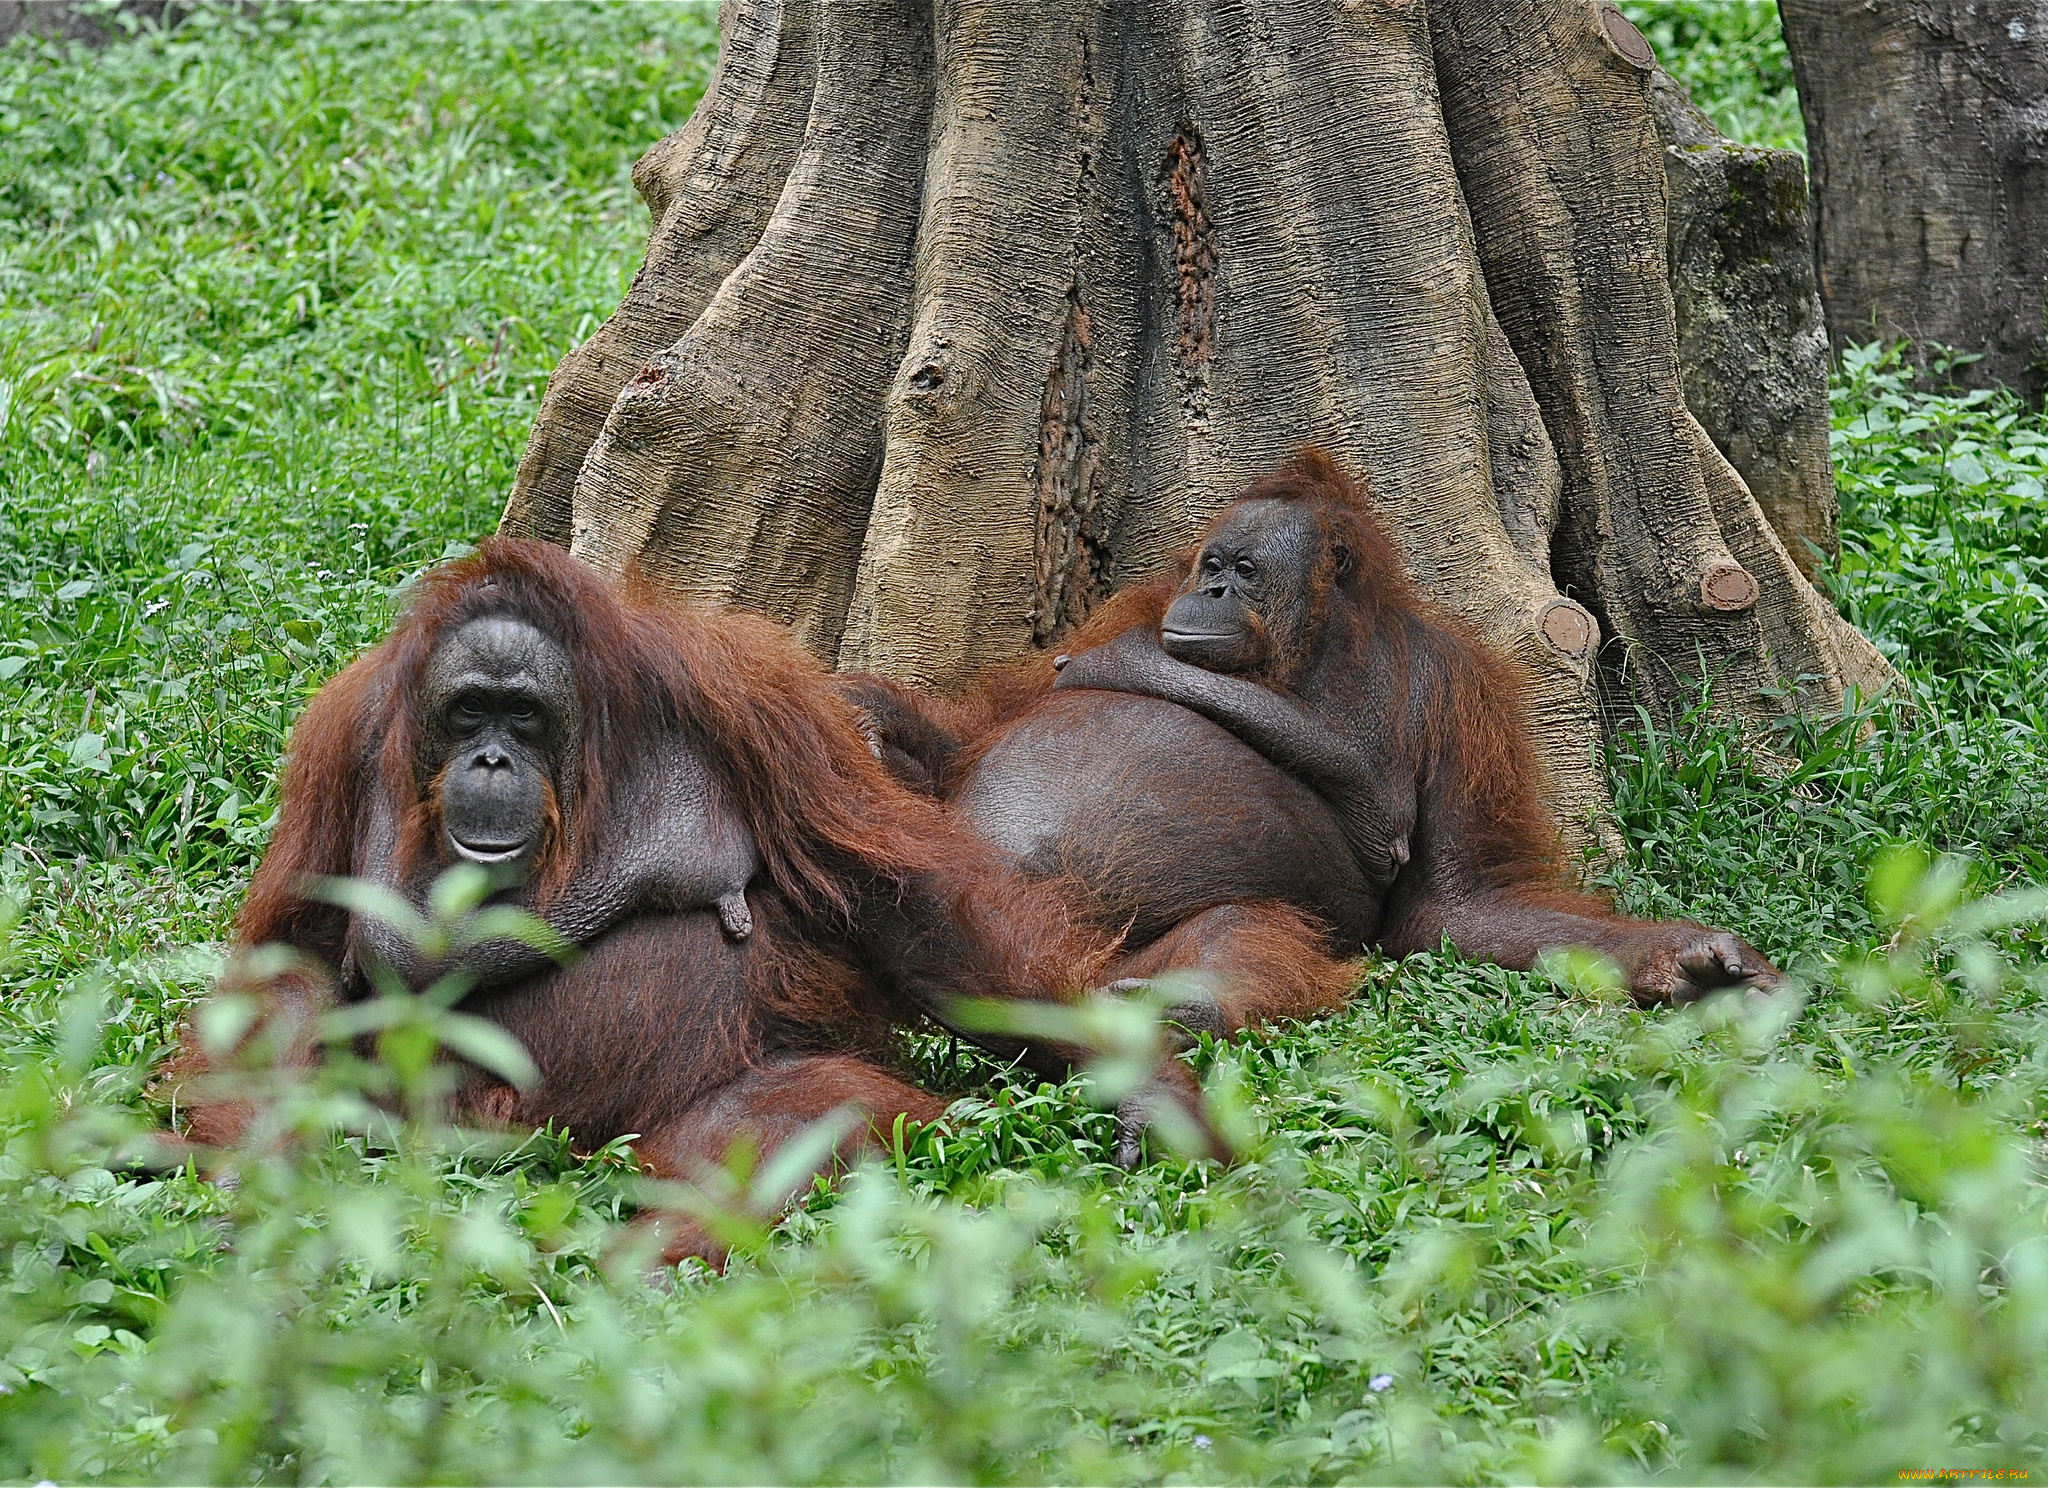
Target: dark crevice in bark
point(1194, 246)
point(1066, 548)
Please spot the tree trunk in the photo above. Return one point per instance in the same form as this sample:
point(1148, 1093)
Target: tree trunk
point(1927, 124)
point(1752, 343)
point(1044, 288)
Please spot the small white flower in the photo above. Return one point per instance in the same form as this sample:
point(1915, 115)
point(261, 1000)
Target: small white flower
point(1379, 1382)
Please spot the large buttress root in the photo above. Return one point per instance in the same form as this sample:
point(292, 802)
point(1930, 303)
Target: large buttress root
point(1044, 289)
point(739, 464)
point(710, 187)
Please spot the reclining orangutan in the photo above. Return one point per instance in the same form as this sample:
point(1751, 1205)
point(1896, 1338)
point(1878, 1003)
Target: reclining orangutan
point(684, 798)
point(1283, 726)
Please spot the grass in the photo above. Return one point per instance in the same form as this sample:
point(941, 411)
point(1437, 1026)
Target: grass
point(278, 293)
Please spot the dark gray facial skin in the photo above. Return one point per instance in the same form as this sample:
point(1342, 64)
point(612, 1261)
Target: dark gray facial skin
point(1249, 589)
point(500, 722)
point(499, 705)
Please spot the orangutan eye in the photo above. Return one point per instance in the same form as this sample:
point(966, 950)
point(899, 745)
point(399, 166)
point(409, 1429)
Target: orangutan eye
point(1246, 569)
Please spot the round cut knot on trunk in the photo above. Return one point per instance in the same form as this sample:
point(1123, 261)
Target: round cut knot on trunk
point(1569, 628)
point(1629, 44)
point(1728, 587)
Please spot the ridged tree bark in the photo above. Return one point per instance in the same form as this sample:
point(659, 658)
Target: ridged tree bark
point(1927, 124)
point(1043, 289)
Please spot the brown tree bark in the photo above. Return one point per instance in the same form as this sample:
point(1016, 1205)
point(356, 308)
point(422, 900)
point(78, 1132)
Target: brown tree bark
point(1927, 126)
point(1043, 289)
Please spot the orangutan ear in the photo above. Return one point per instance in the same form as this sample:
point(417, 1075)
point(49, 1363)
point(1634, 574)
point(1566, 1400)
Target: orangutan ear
point(1341, 556)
